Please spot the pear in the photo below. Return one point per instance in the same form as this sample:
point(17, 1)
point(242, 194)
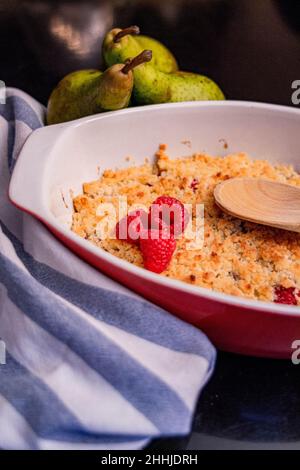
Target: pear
point(162, 58)
point(87, 92)
point(152, 86)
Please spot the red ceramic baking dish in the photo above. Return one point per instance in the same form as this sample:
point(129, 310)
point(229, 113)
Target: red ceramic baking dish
point(57, 159)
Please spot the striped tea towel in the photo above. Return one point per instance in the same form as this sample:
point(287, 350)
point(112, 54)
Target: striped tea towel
point(85, 363)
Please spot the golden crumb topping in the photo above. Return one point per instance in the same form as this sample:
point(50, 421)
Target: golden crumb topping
point(237, 257)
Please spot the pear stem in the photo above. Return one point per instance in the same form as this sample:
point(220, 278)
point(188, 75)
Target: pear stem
point(143, 57)
point(124, 32)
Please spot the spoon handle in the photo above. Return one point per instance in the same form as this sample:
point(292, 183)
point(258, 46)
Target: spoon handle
point(261, 201)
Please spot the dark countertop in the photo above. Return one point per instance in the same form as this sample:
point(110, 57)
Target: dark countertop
point(252, 49)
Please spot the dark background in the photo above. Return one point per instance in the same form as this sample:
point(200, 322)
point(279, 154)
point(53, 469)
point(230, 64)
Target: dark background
point(252, 49)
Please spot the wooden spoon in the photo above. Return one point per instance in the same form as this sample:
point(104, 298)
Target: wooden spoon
point(261, 201)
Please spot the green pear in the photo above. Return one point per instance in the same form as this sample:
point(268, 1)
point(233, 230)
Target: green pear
point(162, 58)
point(87, 92)
point(152, 86)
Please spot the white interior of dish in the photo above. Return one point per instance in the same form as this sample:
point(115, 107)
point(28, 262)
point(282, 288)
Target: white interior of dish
point(88, 148)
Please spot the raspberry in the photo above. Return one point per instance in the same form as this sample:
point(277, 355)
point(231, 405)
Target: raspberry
point(155, 222)
point(129, 227)
point(157, 247)
point(194, 184)
point(171, 212)
point(285, 295)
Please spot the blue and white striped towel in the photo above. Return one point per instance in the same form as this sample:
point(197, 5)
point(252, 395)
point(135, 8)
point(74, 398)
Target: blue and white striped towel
point(89, 364)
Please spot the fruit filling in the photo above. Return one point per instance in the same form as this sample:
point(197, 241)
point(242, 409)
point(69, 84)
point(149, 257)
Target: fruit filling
point(285, 295)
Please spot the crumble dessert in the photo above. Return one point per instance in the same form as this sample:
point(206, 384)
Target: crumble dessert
point(238, 257)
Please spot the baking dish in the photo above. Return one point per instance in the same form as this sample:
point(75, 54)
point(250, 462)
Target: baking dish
point(56, 160)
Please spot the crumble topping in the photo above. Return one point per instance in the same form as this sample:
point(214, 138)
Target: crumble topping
point(238, 257)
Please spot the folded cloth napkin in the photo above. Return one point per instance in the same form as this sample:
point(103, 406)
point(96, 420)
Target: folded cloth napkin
point(86, 363)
